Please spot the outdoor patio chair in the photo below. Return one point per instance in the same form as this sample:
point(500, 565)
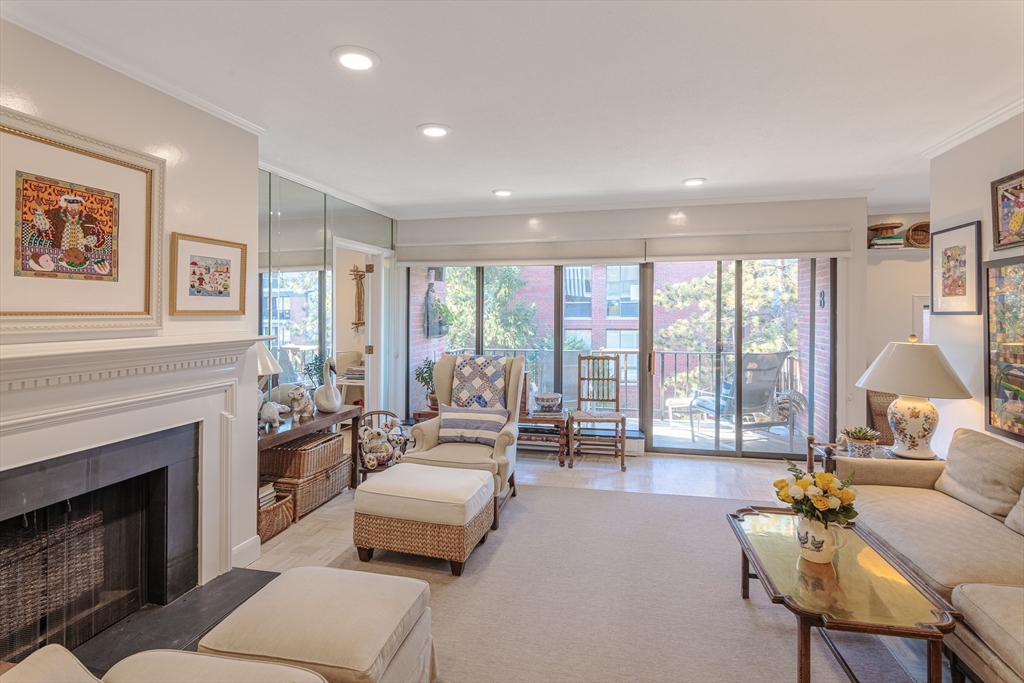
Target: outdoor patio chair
point(760, 375)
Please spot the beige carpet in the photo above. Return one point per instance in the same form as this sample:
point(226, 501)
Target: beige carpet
point(586, 585)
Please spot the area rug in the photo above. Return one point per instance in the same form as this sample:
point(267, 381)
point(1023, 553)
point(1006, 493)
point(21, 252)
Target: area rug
point(587, 585)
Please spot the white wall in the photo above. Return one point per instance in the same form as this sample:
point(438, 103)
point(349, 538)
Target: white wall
point(210, 190)
point(893, 279)
point(961, 193)
point(723, 230)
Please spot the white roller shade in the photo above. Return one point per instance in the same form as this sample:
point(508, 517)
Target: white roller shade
point(824, 242)
point(552, 253)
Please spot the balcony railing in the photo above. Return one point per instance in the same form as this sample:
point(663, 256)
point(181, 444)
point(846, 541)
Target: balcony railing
point(677, 374)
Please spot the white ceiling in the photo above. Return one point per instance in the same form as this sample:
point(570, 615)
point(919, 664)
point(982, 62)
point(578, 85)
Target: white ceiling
point(577, 105)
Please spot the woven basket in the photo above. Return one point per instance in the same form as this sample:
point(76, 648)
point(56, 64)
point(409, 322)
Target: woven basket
point(303, 457)
point(275, 518)
point(312, 492)
point(886, 229)
point(919, 235)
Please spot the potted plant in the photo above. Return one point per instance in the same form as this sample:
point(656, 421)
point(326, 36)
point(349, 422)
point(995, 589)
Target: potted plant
point(818, 500)
point(860, 441)
point(424, 374)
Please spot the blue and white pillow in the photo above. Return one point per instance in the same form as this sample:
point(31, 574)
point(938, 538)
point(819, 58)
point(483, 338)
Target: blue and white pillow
point(479, 382)
point(471, 425)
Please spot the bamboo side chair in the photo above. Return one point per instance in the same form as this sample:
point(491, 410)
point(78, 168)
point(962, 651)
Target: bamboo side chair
point(598, 390)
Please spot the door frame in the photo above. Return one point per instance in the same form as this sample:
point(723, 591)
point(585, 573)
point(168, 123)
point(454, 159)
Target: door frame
point(376, 322)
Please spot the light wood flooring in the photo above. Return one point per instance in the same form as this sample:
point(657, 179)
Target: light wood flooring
point(319, 537)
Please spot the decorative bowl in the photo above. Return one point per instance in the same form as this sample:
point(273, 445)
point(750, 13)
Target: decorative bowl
point(548, 402)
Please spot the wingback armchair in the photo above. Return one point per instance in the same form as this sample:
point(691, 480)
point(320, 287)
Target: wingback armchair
point(499, 461)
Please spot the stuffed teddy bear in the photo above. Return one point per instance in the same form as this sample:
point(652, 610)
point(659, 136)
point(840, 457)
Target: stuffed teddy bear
point(377, 450)
point(397, 438)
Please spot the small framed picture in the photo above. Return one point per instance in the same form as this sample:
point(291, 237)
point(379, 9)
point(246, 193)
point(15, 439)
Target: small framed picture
point(1008, 211)
point(207, 276)
point(1004, 347)
point(955, 270)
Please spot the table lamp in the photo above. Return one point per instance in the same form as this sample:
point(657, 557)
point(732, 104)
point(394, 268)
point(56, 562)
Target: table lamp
point(266, 364)
point(916, 372)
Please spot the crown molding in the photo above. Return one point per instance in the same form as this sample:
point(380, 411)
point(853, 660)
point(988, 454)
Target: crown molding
point(897, 209)
point(990, 121)
point(681, 203)
point(23, 17)
point(271, 167)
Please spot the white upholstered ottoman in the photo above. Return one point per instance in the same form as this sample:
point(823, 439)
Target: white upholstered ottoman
point(439, 512)
point(349, 627)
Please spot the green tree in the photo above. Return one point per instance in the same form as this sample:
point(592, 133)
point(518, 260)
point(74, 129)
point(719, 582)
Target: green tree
point(508, 323)
point(770, 310)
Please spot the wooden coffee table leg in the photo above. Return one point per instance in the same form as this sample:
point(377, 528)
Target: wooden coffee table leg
point(803, 650)
point(934, 661)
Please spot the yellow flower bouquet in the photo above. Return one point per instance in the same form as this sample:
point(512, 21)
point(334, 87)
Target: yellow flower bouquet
point(821, 497)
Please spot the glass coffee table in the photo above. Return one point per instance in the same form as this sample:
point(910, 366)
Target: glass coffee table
point(863, 589)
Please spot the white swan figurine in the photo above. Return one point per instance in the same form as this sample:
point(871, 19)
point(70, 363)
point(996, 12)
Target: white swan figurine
point(327, 397)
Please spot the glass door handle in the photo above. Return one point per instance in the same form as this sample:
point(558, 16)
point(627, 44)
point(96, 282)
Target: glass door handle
point(650, 363)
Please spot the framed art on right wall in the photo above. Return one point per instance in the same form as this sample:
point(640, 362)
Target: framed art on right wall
point(1004, 347)
point(1008, 211)
point(956, 270)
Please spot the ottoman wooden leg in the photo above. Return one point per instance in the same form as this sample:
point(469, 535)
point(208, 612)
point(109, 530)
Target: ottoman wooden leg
point(365, 554)
point(483, 539)
point(456, 567)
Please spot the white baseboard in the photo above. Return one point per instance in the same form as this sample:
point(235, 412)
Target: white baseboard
point(246, 553)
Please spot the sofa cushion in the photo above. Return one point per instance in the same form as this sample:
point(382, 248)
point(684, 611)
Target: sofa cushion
point(944, 542)
point(471, 425)
point(996, 614)
point(470, 456)
point(1015, 520)
point(344, 625)
point(438, 495)
point(50, 664)
point(985, 472)
point(178, 666)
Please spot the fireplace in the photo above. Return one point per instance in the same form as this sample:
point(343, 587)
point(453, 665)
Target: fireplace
point(86, 539)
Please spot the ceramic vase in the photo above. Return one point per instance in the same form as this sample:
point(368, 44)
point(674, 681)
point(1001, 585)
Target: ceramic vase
point(860, 449)
point(817, 543)
point(913, 420)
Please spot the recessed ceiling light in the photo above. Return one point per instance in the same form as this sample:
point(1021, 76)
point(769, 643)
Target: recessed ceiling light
point(434, 130)
point(354, 57)
point(503, 193)
point(694, 182)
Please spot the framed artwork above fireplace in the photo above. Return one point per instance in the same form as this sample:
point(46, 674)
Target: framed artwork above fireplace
point(85, 221)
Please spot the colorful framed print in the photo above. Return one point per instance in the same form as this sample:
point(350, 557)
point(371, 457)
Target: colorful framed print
point(82, 254)
point(1008, 211)
point(955, 269)
point(1004, 347)
point(207, 276)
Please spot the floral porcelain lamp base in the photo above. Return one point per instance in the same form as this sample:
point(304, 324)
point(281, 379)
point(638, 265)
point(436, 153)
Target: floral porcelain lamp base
point(913, 420)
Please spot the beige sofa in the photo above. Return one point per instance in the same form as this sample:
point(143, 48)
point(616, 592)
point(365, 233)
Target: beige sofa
point(959, 525)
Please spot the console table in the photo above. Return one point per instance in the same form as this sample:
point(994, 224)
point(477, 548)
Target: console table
point(292, 428)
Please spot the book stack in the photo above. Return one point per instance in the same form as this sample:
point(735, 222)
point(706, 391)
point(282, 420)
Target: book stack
point(354, 373)
point(887, 242)
point(268, 496)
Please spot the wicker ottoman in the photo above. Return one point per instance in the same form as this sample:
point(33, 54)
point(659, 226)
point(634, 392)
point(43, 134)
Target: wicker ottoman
point(439, 512)
point(349, 627)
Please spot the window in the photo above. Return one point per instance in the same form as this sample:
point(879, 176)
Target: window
point(578, 340)
point(519, 318)
point(578, 291)
point(626, 345)
point(622, 291)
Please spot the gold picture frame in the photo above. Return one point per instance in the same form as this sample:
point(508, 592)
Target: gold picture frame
point(207, 276)
point(83, 255)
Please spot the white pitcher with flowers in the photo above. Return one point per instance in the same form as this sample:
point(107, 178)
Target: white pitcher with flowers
point(823, 504)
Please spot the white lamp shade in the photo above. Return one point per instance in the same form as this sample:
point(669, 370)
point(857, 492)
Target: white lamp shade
point(913, 370)
point(266, 363)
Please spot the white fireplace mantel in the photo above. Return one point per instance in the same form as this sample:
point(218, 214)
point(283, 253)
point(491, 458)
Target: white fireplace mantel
point(58, 398)
point(28, 366)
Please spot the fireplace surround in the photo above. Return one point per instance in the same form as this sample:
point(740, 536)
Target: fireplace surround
point(61, 400)
point(88, 538)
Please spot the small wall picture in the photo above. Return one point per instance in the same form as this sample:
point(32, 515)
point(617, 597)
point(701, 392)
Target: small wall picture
point(207, 276)
point(955, 270)
point(1004, 349)
point(1008, 211)
point(64, 230)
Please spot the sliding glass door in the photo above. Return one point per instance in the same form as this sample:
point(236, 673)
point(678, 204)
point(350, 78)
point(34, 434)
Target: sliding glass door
point(741, 357)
